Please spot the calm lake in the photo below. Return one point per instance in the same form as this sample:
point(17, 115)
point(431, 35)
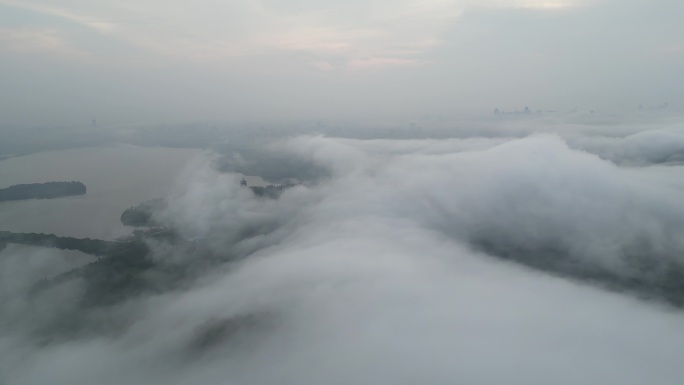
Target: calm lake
point(116, 177)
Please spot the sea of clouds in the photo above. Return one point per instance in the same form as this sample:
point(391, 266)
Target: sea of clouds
point(542, 255)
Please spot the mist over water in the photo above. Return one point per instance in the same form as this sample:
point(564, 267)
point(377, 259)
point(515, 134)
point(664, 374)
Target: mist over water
point(534, 254)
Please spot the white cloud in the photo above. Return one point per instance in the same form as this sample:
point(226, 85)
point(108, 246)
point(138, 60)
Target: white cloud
point(370, 276)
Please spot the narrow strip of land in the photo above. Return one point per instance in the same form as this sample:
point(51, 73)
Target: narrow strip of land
point(96, 247)
point(47, 190)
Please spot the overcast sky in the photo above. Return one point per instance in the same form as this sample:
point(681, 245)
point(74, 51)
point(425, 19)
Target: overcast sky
point(123, 61)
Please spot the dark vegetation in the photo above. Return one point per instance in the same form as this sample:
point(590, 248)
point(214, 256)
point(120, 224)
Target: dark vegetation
point(270, 191)
point(94, 247)
point(122, 271)
point(47, 190)
point(647, 275)
point(114, 274)
point(142, 214)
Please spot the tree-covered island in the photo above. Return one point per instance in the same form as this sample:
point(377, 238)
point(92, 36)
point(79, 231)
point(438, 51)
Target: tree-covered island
point(47, 190)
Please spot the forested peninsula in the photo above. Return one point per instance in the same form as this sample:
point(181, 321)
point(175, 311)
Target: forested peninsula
point(47, 190)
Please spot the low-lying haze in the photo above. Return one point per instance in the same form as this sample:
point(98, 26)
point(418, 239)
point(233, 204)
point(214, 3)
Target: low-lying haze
point(542, 254)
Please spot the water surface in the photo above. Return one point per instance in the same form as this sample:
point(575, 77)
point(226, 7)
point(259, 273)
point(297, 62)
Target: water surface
point(117, 177)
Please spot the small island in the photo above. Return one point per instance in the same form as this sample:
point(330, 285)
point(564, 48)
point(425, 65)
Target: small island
point(47, 190)
point(141, 215)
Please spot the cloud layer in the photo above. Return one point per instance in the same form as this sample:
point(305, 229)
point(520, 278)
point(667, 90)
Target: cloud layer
point(481, 260)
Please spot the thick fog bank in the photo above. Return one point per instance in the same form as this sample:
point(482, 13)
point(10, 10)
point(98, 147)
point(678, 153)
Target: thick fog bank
point(547, 258)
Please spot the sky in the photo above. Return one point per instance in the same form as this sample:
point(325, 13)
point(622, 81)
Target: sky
point(125, 61)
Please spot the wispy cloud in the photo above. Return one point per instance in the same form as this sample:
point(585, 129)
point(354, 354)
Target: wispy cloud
point(210, 31)
point(404, 30)
point(41, 41)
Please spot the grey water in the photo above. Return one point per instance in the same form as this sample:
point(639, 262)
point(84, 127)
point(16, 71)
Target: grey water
point(117, 177)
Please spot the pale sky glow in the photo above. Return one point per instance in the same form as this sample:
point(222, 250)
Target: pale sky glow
point(471, 54)
point(219, 30)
